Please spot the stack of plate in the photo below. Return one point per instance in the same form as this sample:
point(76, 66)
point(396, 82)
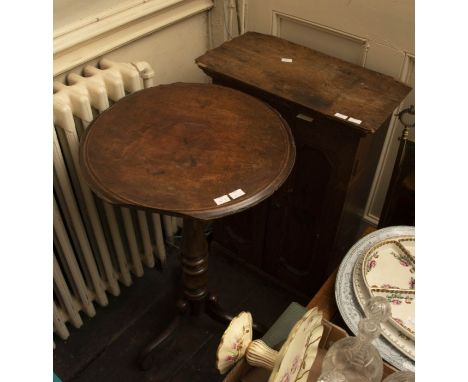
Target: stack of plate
point(382, 264)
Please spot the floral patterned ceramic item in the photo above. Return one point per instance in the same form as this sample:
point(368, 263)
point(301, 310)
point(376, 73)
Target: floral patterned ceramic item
point(388, 270)
point(402, 309)
point(291, 364)
point(234, 341)
point(298, 353)
point(348, 304)
point(389, 330)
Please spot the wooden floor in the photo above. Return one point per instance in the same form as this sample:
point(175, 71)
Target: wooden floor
point(106, 347)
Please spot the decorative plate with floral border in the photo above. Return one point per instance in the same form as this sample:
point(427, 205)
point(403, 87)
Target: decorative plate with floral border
point(388, 270)
point(389, 330)
point(348, 304)
point(234, 342)
point(298, 353)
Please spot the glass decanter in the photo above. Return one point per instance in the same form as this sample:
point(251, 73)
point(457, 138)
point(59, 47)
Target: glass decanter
point(355, 359)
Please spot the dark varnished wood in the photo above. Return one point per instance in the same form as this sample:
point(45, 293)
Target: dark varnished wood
point(195, 264)
point(300, 234)
point(314, 81)
point(304, 214)
point(174, 148)
point(215, 311)
point(145, 356)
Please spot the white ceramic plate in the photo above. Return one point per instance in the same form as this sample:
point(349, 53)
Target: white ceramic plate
point(388, 270)
point(389, 330)
point(347, 302)
point(298, 353)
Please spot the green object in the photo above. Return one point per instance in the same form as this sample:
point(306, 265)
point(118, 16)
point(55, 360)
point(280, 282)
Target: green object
point(280, 329)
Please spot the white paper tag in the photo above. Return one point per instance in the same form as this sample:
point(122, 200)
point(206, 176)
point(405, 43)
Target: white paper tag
point(354, 120)
point(222, 199)
point(342, 116)
point(236, 194)
point(286, 59)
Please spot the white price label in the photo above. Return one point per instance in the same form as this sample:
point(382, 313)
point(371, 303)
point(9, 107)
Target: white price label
point(342, 116)
point(354, 120)
point(222, 199)
point(236, 194)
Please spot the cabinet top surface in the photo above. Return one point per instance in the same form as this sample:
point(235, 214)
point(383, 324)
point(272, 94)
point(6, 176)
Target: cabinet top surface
point(313, 80)
point(175, 148)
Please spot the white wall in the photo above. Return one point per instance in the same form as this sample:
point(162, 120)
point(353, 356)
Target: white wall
point(169, 39)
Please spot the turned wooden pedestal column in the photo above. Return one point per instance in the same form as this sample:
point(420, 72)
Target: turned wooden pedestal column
point(199, 151)
point(194, 264)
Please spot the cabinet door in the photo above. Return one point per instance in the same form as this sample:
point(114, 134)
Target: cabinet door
point(242, 234)
point(304, 213)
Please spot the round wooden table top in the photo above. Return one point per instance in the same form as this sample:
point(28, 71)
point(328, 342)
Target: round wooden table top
point(197, 150)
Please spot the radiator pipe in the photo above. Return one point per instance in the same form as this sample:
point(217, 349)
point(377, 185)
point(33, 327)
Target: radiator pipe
point(146, 73)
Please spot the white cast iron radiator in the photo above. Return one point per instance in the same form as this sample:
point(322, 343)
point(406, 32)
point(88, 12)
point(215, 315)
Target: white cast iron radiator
point(97, 246)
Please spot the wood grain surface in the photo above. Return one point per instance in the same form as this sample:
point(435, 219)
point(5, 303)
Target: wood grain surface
point(313, 80)
point(175, 148)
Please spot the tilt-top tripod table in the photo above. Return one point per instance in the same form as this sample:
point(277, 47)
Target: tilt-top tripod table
point(199, 151)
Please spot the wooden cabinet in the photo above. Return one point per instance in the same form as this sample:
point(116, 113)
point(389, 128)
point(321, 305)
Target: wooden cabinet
point(300, 234)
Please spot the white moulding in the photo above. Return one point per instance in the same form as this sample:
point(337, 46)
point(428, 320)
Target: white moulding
point(83, 41)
